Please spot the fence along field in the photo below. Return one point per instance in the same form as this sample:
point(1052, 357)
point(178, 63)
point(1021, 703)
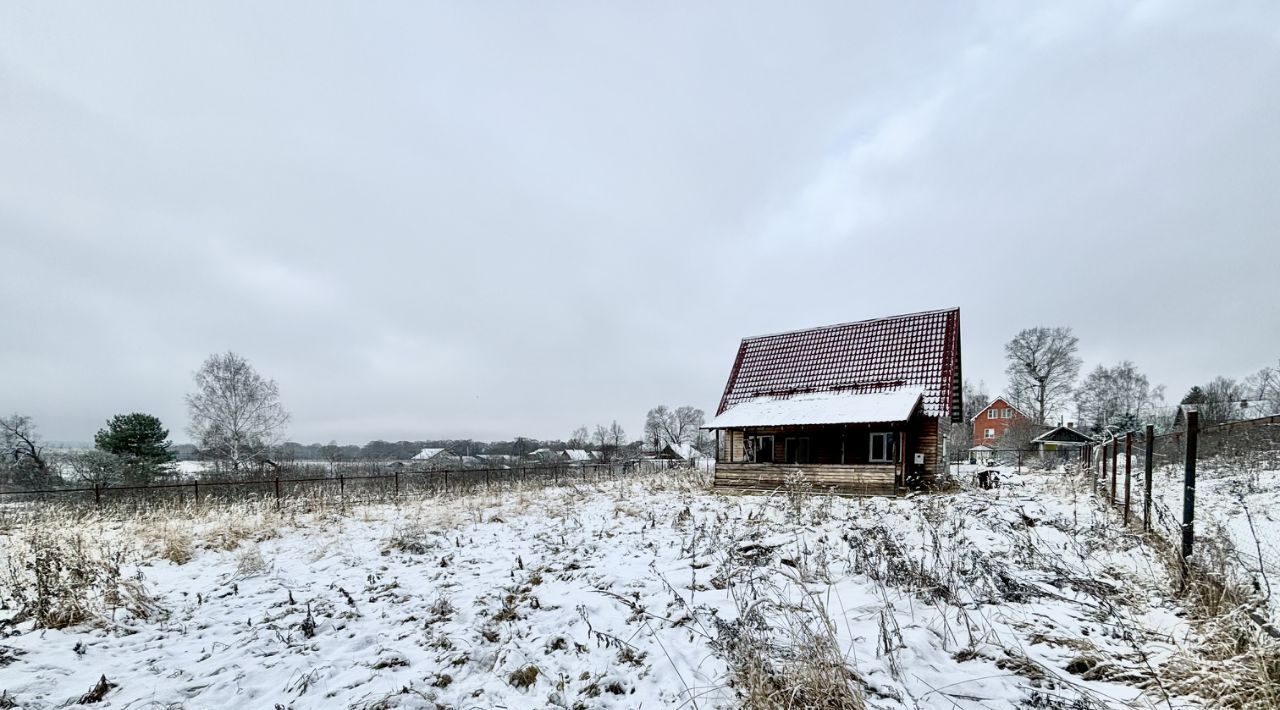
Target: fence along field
point(288, 488)
point(1211, 495)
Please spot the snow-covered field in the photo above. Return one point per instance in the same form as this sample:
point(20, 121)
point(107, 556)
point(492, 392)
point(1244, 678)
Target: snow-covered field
point(646, 592)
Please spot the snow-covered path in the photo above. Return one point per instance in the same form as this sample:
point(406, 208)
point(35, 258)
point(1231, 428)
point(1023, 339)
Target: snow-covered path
point(649, 592)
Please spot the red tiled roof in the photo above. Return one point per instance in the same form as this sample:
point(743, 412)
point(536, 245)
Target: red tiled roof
point(920, 349)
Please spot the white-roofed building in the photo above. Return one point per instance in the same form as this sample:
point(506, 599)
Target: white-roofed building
point(434, 459)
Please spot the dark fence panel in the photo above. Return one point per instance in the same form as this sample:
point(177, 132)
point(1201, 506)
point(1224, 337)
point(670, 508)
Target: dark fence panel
point(294, 487)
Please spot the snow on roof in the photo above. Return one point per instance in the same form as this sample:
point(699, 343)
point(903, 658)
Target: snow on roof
point(839, 407)
point(577, 455)
point(1061, 435)
point(687, 451)
point(913, 350)
point(426, 454)
point(981, 447)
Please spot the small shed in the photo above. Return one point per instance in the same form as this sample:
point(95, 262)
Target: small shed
point(981, 455)
point(1062, 441)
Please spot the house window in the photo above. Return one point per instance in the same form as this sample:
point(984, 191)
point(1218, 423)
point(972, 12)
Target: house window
point(797, 449)
point(1006, 412)
point(884, 447)
point(988, 433)
point(761, 450)
point(993, 414)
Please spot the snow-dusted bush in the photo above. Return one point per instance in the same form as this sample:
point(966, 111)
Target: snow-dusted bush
point(63, 578)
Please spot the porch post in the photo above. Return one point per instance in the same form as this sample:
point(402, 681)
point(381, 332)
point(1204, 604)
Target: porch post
point(902, 456)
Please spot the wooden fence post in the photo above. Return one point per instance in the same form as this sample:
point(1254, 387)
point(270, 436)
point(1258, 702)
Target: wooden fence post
point(1189, 484)
point(197, 494)
point(342, 492)
point(1093, 470)
point(397, 475)
point(1115, 467)
point(1146, 477)
point(277, 491)
point(1128, 468)
point(1103, 459)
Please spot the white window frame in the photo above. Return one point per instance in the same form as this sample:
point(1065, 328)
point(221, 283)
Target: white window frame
point(888, 438)
point(993, 414)
point(988, 433)
point(1006, 413)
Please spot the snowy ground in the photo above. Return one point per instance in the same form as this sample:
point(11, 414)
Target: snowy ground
point(1237, 513)
point(650, 592)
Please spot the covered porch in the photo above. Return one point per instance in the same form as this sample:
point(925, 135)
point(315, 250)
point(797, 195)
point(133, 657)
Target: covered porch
point(883, 446)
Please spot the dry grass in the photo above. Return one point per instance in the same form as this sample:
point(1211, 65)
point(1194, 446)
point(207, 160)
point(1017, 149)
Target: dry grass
point(1236, 663)
point(58, 578)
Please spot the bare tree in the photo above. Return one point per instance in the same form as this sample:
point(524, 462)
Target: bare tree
point(99, 468)
point(1264, 387)
point(1119, 396)
point(236, 415)
point(580, 438)
point(332, 453)
point(1018, 436)
point(1221, 397)
point(1043, 366)
point(961, 433)
point(23, 453)
point(611, 440)
point(617, 436)
point(663, 426)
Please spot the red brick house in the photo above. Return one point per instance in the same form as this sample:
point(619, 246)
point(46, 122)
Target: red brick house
point(858, 406)
point(990, 424)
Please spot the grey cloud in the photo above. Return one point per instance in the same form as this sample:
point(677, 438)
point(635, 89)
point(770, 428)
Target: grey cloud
point(487, 221)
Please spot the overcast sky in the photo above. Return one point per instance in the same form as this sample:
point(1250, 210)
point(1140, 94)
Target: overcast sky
point(488, 220)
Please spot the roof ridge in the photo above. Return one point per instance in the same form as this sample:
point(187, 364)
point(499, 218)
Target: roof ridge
point(935, 311)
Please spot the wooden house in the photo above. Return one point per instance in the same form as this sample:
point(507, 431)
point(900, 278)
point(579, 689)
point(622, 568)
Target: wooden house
point(858, 407)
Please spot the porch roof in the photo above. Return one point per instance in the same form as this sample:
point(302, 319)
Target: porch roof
point(812, 408)
point(1062, 435)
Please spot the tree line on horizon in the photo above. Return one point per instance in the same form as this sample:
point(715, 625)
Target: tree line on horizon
point(238, 422)
point(1044, 383)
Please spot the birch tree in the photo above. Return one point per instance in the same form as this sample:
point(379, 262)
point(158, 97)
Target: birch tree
point(236, 415)
point(1118, 396)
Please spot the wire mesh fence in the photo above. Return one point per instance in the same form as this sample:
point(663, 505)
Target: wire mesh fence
point(1212, 495)
point(289, 489)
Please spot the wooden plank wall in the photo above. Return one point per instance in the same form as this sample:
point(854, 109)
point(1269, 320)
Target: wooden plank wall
point(863, 479)
point(929, 444)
